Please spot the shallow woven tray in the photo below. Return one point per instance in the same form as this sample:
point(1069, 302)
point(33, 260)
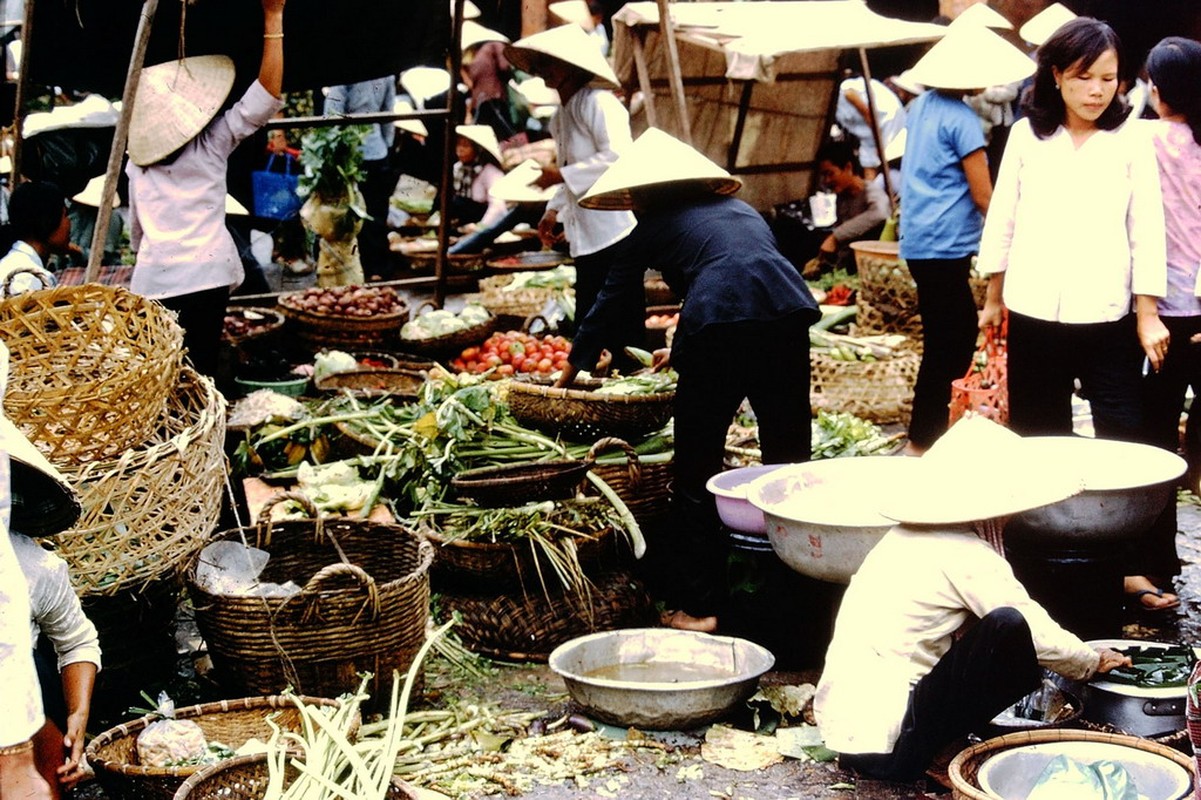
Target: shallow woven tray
point(365, 614)
point(456, 263)
point(271, 321)
point(398, 383)
point(529, 262)
point(585, 416)
point(92, 368)
point(451, 344)
point(113, 753)
point(514, 484)
point(877, 391)
point(964, 767)
point(245, 778)
point(146, 513)
point(515, 628)
point(342, 332)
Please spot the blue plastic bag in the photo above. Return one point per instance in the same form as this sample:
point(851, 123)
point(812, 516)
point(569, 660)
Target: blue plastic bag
point(275, 195)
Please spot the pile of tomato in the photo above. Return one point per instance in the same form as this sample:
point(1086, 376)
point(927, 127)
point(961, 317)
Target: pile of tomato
point(513, 352)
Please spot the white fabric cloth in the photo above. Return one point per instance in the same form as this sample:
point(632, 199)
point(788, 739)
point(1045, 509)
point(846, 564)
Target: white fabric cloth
point(916, 588)
point(56, 610)
point(890, 116)
point(23, 256)
point(20, 697)
point(590, 131)
point(177, 209)
point(1076, 231)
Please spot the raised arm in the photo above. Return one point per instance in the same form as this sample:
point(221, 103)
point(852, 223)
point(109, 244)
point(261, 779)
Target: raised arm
point(271, 68)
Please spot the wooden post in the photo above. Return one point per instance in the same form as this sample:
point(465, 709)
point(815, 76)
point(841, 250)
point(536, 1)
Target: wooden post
point(105, 212)
point(22, 89)
point(875, 123)
point(455, 59)
point(674, 78)
point(644, 74)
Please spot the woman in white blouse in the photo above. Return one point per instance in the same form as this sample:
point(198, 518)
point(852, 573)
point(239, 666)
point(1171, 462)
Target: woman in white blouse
point(1074, 234)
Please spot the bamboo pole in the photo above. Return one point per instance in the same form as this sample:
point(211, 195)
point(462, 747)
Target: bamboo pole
point(117, 152)
point(22, 89)
point(875, 123)
point(674, 78)
point(455, 59)
point(644, 73)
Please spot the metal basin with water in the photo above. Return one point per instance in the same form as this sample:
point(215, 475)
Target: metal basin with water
point(821, 516)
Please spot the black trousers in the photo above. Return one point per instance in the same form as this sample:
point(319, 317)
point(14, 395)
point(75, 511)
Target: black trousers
point(1045, 358)
point(949, 331)
point(377, 187)
point(202, 317)
point(766, 363)
point(629, 330)
point(989, 669)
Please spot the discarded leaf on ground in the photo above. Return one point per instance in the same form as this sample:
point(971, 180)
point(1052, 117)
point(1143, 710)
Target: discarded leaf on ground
point(735, 749)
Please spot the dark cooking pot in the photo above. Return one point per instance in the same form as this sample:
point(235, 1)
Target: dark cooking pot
point(1142, 712)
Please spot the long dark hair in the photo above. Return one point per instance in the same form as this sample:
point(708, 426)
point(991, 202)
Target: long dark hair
point(35, 210)
point(1174, 66)
point(1081, 41)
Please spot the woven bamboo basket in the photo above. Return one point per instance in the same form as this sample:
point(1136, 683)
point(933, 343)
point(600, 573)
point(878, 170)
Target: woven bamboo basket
point(146, 513)
point(92, 369)
point(263, 322)
point(644, 487)
point(113, 753)
point(245, 778)
point(965, 766)
point(456, 263)
point(872, 319)
point(449, 345)
point(528, 482)
point(877, 391)
point(363, 608)
point(341, 332)
point(884, 280)
point(584, 416)
point(527, 628)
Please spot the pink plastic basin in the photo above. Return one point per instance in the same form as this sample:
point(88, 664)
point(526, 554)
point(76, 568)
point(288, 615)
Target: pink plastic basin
point(729, 490)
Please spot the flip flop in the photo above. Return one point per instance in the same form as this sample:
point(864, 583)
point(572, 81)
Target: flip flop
point(1136, 599)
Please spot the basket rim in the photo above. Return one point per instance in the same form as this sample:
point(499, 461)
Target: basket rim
point(438, 540)
point(524, 387)
point(134, 727)
point(505, 474)
point(198, 777)
point(275, 321)
point(478, 329)
point(284, 302)
point(327, 382)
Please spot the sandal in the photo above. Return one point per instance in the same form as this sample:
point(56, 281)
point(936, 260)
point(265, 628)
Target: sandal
point(1135, 599)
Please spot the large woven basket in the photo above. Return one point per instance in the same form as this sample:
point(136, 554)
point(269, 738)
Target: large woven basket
point(146, 513)
point(525, 482)
point(884, 279)
point(342, 332)
point(878, 391)
point(584, 416)
point(644, 486)
point(512, 627)
point(245, 778)
point(964, 767)
point(363, 608)
point(449, 345)
point(113, 753)
point(872, 319)
point(92, 368)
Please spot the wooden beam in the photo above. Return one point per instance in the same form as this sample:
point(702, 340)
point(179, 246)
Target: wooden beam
point(744, 105)
point(875, 123)
point(117, 152)
point(22, 90)
point(454, 113)
point(667, 30)
point(644, 74)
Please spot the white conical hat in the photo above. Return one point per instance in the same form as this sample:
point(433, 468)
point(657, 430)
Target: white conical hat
point(536, 92)
point(656, 159)
point(90, 195)
point(474, 33)
point(984, 15)
point(422, 83)
point(896, 148)
point(1042, 26)
point(905, 81)
point(482, 135)
point(414, 126)
point(174, 102)
point(971, 57)
point(233, 208)
point(470, 9)
point(517, 185)
point(567, 43)
point(945, 485)
point(573, 11)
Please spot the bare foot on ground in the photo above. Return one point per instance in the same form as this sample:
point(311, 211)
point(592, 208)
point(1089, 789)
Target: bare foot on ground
point(683, 621)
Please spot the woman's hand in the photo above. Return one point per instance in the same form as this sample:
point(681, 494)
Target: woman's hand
point(566, 377)
point(1152, 333)
point(1111, 659)
point(661, 359)
point(992, 314)
point(546, 227)
point(72, 771)
point(549, 177)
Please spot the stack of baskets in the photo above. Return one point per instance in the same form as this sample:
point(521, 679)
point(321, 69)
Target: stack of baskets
point(887, 299)
point(879, 391)
point(98, 385)
point(363, 606)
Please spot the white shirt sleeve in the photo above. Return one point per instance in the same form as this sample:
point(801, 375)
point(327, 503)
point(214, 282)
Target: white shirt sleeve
point(54, 605)
point(608, 123)
point(20, 697)
point(1002, 208)
point(1145, 220)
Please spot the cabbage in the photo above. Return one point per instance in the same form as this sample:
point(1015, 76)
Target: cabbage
point(331, 362)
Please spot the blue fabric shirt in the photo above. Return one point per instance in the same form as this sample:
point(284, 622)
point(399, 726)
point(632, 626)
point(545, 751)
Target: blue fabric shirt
point(939, 219)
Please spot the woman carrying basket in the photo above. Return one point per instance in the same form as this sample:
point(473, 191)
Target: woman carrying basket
point(743, 334)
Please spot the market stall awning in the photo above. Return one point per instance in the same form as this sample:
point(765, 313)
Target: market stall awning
point(760, 78)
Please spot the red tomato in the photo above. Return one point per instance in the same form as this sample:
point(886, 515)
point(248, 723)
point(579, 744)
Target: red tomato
point(493, 361)
point(506, 356)
point(470, 353)
point(518, 360)
point(546, 365)
point(505, 370)
point(529, 365)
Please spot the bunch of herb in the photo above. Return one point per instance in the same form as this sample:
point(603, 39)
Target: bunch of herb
point(332, 158)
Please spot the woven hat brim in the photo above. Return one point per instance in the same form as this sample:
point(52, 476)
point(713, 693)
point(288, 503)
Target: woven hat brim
point(568, 44)
point(983, 14)
point(657, 160)
point(1043, 25)
point(971, 57)
point(174, 103)
point(517, 185)
point(482, 136)
point(475, 34)
point(91, 194)
point(43, 503)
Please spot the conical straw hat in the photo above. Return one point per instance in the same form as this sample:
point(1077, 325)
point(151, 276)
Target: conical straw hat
point(90, 195)
point(971, 57)
point(414, 126)
point(567, 43)
point(481, 135)
point(233, 208)
point(656, 159)
point(470, 9)
point(985, 16)
point(1042, 26)
point(945, 487)
point(174, 102)
point(474, 34)
point(422, 83)
point(517, 185)
point(573, 11)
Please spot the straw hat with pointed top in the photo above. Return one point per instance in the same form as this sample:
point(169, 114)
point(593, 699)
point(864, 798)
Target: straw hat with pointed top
point(566, 43)
point(43, 503)
point(1042, 26)
point(945, 486)
point(470, 9)
point(984, 15)
point(474, 34)
point(576, 11)
point(90, 195)
point(656, 160)
point(971, 57)
point(174, 102)
point(483, 136)
point(413, 126)
point(517, 185)
point(905, 81)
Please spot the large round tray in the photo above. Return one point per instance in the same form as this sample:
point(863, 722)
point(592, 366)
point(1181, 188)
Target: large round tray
point(529, 261)
point(340, 331)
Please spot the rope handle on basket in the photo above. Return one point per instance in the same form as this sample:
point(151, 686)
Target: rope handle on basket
point(265, 522)
point(43, 275)
point(528, 324)
point(432, 305)
point(633, 463)
point(312, 591)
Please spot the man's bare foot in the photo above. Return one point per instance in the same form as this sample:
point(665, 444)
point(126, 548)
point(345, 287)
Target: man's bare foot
point(1140, 588)
point(911, 449)
point(683, 621)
